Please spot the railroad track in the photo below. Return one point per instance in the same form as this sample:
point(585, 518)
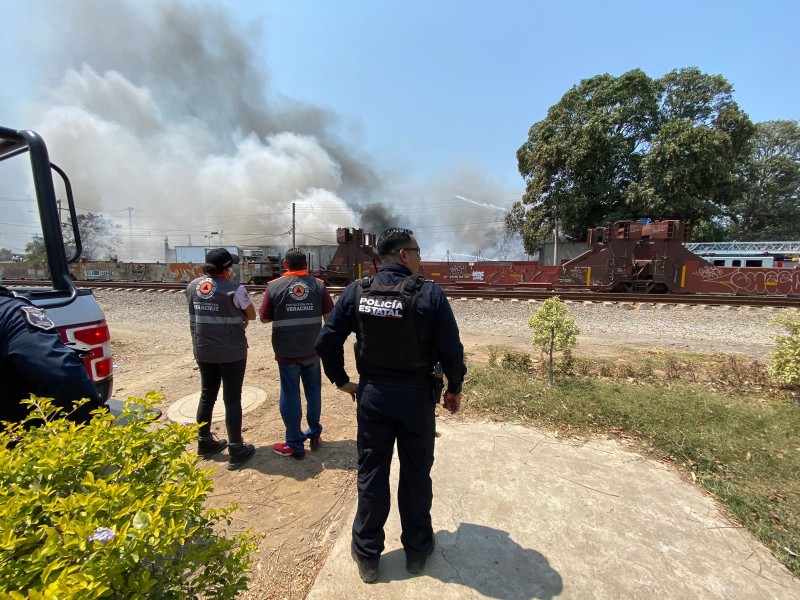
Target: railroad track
point(490, 294)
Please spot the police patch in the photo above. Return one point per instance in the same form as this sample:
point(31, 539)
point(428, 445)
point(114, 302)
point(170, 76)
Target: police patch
point(37, 318)
point(388, 308)
point(206, 288)
point(299, 291)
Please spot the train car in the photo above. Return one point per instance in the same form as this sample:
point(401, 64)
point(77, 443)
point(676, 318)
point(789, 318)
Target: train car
point(624, 256)
point(354, 258)
point(248, 272)
point(491, 273)
point(778, 261)
point(631, 256)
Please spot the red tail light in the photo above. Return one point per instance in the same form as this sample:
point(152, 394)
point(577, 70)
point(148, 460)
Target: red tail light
point(94, 340)
point(94, 336)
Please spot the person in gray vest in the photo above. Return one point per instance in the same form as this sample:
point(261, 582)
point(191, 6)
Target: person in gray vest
point(296, 304)
point(219, 310)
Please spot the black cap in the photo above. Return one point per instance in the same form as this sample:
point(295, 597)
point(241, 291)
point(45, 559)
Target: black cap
point(221, 258)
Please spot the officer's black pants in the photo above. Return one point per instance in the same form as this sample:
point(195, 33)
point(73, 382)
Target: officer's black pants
point(231, 375)
point(387, 413)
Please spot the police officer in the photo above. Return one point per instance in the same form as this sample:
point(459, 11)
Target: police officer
point(219, 310)
point(34, 360)
point(404, 326)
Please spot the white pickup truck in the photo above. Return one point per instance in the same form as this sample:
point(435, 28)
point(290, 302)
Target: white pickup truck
point(76, 313)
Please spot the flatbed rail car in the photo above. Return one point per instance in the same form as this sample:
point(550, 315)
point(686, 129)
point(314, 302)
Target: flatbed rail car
point(627, 256)
point(246, 272)
point(622, 257)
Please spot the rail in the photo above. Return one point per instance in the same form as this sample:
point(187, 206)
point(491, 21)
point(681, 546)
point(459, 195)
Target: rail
point(521, 294)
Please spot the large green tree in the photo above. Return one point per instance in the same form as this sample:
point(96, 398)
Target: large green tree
point(769, 208)
point(99, 236)
point(628, 147)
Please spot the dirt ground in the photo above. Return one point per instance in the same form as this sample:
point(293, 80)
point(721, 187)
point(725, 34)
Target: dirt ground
point(299, 506)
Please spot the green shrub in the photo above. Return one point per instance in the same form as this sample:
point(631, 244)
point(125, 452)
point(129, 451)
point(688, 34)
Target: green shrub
point(785, 363)
point(554, 331)
point(98, 510)
point(516, 361)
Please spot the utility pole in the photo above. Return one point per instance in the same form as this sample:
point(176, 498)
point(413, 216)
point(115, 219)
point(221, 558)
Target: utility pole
point(293, 227)
point(130, 210)
point(555, 241)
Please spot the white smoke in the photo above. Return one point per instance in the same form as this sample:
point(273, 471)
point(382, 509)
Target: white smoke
point(163, 116)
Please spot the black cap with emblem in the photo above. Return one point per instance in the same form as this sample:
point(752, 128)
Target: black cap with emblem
point(221, 258)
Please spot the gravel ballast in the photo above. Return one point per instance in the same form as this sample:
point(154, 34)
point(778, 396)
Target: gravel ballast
point(744, 330)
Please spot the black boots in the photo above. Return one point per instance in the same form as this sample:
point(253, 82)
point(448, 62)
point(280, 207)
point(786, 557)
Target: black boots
point(238, 454)
point(210, 445)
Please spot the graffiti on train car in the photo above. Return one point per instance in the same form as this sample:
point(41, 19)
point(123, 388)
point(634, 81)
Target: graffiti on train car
point(753, 281)
point(183, 272)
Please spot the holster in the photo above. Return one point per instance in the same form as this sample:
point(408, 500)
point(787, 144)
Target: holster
point(438, 383)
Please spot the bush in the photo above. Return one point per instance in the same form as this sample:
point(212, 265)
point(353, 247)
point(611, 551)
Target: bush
point(785, 363)
point(99, 510)
point(516, 361)
point(554, 331)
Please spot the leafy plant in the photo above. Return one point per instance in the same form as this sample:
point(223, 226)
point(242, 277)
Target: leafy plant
point(515, 361)
point(785, 363)
point(553, 331)
point(101, 510)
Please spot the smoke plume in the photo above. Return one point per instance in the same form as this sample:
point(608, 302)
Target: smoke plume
point(164, 118)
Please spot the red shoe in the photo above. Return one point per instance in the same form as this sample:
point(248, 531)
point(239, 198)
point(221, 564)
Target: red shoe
point(282, 449)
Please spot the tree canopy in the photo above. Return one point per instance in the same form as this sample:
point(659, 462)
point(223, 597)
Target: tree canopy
point(631, 146)
point(769, 207)
point(35, 251)
point(99, 236)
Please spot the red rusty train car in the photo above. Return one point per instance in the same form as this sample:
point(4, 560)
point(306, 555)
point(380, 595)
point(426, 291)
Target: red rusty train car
point(627, 256)
point(631, 256)
point(624, 256)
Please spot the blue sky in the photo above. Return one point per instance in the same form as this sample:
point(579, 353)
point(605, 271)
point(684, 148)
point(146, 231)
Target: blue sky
point(408, 104)
point(434, 82)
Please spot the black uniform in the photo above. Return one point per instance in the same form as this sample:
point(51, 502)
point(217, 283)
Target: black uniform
point(403, 326)
point(34, 360)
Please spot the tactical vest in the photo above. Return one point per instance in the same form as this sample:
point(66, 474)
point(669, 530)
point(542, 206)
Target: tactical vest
point(389, 337)
point(216, 323)
point(297, 315)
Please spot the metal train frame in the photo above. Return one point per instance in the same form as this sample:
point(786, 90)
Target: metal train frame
point(628, 256)
point(624, 256)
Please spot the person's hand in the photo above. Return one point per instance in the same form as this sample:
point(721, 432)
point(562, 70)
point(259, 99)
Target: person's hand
point(452, 402)
point(350, 388)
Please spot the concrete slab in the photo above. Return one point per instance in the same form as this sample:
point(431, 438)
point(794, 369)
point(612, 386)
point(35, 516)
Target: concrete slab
point(519, 514)
point(185, 409)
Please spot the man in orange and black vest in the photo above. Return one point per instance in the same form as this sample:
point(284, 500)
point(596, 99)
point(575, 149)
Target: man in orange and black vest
point(296, 304)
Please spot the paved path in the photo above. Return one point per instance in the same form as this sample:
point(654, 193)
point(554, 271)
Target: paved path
point(519, 514)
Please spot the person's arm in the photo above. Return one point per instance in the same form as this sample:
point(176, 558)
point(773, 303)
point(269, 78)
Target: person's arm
point(52, 369)
point(327, 303)
point(242, 300)
point(449, 348)
point(265, 311)
point(250, 313)
point(330, 342)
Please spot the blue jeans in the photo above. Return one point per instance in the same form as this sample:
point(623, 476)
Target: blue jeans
point(290, 404)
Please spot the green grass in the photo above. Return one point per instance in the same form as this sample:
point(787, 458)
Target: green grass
point(713, 417)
